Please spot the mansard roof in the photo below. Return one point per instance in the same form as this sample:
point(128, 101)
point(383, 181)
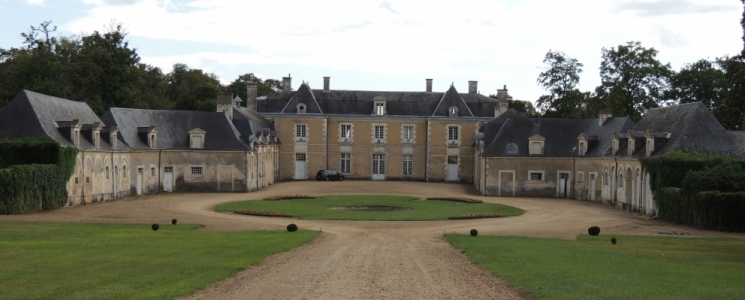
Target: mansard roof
point(32, 114)
point(560, 135)
point(173, 128)
point(346, 102)
point(692, 128)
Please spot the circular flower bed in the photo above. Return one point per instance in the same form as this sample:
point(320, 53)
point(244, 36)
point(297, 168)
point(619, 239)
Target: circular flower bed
point(477, 216)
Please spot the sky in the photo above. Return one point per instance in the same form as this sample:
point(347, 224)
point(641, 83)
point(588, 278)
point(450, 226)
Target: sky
point(392, 45)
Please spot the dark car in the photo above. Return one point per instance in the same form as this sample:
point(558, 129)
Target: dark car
point(329, 175)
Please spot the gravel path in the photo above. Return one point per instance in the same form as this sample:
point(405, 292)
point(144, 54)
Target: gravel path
point(365, 259)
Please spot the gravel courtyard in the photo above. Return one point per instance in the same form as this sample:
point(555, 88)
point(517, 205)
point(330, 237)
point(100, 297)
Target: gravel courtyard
point(370, 259)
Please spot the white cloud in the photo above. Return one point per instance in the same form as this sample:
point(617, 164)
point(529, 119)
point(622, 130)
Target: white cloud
point(495, 42)
point(35, 2)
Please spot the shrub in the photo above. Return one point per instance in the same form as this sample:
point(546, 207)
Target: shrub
point(155, 227)
point(474, 232)
point(174, 221)
point(593, 231)
point(613, 240)
point(292, 228)
point(726, 178)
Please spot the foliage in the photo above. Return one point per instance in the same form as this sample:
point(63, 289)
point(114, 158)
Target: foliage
point(192, 89)
point(28, 186)
point(708, 210)
point(320, 209)
point(560, 79)
point(524, 107)
point(593, 231)
point(649, 267)
point(155, 227)
point(292, 228)
point(474, 232)
point(731, 111)
point(632, 79)
point(127, 261)
point(174, 221)
point(670, 170)
point(263, 87)
point(723, 177)
point(613, 240)
point(701, 81)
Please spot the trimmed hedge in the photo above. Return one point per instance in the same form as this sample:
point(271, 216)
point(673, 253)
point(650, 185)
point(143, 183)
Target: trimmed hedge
point(29, 187)
point(707, 210)
point(670, 170)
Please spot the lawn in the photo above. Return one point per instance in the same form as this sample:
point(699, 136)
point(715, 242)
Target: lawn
point(319, 209)
point(126, 261)
point(637, 267)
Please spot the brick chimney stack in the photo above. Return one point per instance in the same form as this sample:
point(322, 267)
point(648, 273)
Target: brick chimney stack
point(429, 86)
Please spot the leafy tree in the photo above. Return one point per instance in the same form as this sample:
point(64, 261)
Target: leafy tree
point(701, 81)
point(524, 107)
point(192, 89)
point(731, 110)
point(264, 87)
point(560, 79)
point(632, 79)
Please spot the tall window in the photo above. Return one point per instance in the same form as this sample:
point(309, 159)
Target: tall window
point(452, 133)
point(300, 133)
point(379, 132)
point(408, 164)
point(346, 131)
point(346, 163)
point(408, 133)
point(379, 109)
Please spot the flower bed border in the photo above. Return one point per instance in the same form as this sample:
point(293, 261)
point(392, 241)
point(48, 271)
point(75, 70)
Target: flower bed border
point(456, 199)
point(277, 214)
point(477, 216)
point(288, 197)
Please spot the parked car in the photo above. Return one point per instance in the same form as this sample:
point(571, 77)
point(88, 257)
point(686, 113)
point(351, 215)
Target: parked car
point(329, 175)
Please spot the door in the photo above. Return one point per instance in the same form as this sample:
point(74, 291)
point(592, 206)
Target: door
point(452, 171)
point(563, 184)
point(300, 166)
point(592, 187)
point(507, 184)
point(139, 181)
point(168, 179)
point(225, 179)
point(378, 167)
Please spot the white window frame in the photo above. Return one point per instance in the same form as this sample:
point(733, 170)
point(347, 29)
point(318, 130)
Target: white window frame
point(407, 133)
point(408, 165)
point(196, 171)
point(379, 136)
point(345, 138)
point(345, 163)
point(541, 173)
point(301, 133)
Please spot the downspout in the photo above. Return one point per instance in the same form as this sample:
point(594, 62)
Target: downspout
point(325, 144)
point(245, 170)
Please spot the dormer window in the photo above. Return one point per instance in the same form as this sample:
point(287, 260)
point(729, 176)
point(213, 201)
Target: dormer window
point(536, 143)
point(149, 134)
point(301, 108)
point(582, 148)
point(196, 138)
point(616, 141)
point(511, 148)
point(379, 106)
point(453, 111)
point(76, 137)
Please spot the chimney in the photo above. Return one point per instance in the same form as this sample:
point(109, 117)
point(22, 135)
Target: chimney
point(502, 94)
point(429, 86)
point(472, 87)
point(287, 83)
point(603, 115)
point(225, 104)
point(251, 92)
point(326, 84)
point(501, 107)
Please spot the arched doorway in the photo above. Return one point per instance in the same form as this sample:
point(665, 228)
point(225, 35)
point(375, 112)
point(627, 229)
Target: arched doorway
point(630, 188)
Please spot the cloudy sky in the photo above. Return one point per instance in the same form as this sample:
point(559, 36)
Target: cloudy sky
point(393, 44)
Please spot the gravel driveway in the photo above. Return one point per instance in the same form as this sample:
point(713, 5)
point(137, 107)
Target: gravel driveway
point(370, 259)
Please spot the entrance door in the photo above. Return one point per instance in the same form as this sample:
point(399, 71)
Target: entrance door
point(507, 183)
point(139, 181)
point(592, 187)
point(300, 166)
point(168, 179)
point(563, 184)
point(378, 167)
point(452, 171)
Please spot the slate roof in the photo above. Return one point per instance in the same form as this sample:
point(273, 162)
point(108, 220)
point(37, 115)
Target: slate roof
point(490, 130)
point(250, 125)
point(692, 128)
point(346, 102)
point(560, 134)
point(173, 128)
point(32, 114)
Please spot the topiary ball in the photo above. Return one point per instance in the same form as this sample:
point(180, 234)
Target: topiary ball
point(155, 227)
point(613, 240)
point(174, 221)
point(594, 230)
point(292, 228)
point(474, 232)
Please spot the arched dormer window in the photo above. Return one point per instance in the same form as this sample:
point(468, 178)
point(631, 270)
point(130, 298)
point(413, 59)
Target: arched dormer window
point(302, 108)
point(511, 148)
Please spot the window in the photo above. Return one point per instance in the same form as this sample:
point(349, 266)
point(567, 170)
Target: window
point(453, 111)
point(346, 131)
point(196, 170)
point(408, 133)
point(379, 133)
point(346, 162)
point(605, 178)
point(581, 148)
point(301, 108)
point(168, 169)
point(87, 180)
point(379, 109)
point(511, 148)
point(300, 133)
point(152, 171)
point(453, 159)
point(452, 133)
point(620, 180)
point(139, 170)
point(107, 172)
point(536, 176)
point(300, 157)
point(124, 171)
point(408, 164)
point(535, 148)
point(76, 180)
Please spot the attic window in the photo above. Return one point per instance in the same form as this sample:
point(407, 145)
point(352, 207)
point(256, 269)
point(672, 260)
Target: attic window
point(196, 138)
point(582, 148)
point(511, 148)
point(536, 143)
point(301, 108)
point(379, 106)
point(453, 111)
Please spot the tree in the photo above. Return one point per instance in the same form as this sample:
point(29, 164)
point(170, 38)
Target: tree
point(701, 81)
point(192, 89)
point(632, 79)
point(731, 110)
point(263, 87)
point(560, 79)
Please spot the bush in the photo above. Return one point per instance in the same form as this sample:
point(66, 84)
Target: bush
point(292, 228)
point(613, 240)
point(155, 227)
point(726, 178)
point(174, 221)
point(593, 231)
point(474, 232)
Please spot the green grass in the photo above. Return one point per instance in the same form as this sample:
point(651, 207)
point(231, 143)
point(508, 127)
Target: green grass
point(638, 267)
point(318, 209)
point(126, 261)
